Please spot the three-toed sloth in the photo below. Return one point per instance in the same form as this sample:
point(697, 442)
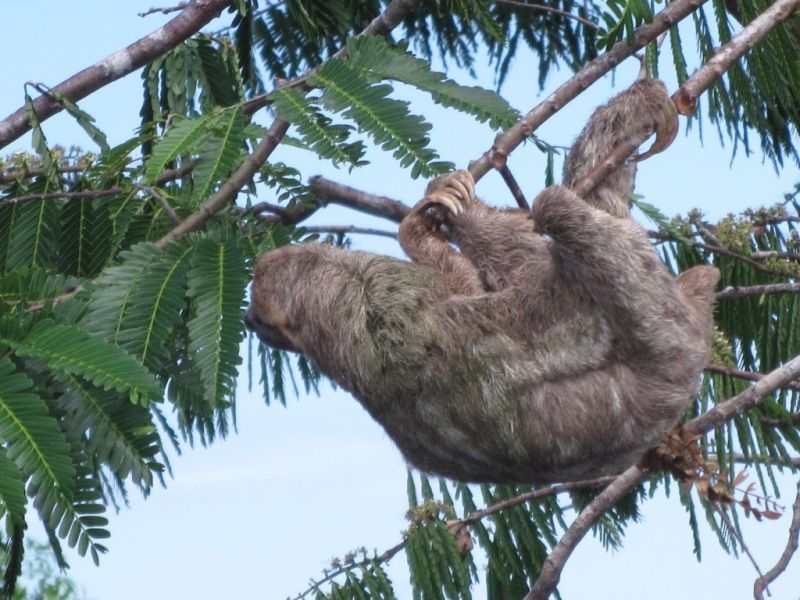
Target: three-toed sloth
point(552, 345)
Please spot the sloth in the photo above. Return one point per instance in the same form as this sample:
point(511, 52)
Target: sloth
point(516, 347)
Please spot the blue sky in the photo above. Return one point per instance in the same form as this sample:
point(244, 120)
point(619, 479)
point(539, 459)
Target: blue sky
point(259, 514)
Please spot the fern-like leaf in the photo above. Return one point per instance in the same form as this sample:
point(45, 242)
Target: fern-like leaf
point(119, 435)
point(385, 119)
point(220, 152)
point(72, 350)
point(31, 437)
point(217, 281)
point(317, 130)
point(376, 57)
point(12, 489)
point(33, 236)
point(112, 295)
point(182, 137)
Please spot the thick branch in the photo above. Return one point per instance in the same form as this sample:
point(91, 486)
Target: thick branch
point(791, 548)
point(507, 141)
point(326, 192)
point(686, 96)
point(197, 14)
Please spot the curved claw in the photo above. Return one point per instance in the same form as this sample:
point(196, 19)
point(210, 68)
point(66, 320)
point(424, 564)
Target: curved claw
point(666, 130)
point(445, 200)
point(463, 182)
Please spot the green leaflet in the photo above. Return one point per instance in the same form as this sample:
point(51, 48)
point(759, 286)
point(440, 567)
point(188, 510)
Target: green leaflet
point(31, 437)
point(376, 57)
point(84, 119)
point(138, 303)
point(112, 295)
point(317, 130)
point(12, 490)
point(216, 285)
point(220, 152)
point(72, 350)
point(33, 236)
point(385, 119)
point(181, 138)
point(118, 434)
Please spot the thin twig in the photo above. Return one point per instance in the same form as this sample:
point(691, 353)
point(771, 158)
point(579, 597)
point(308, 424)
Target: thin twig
point(737, 534)
point(757, 290)
point(154, 192)
point(775, 255)
point(725, 411)
point(197, 14)
point(350, 229)
point(228, 190)
point(512, 184)
point(550, 9)
point(469, 519)
point(746, 375)
point(788, 552)
point(164, 11)
point(686, 96)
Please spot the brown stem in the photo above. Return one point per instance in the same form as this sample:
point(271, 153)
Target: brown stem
point(686, 96)
point(736, 534)
point(164, 10)
point(550, 574)
point(349, 229)
point(725, 411)
point(469, 519)
point(507, 141)
point(788, 552)
point(228, 191)
point(327, 191)
point(747, 375)
point(730, 293)
point(197, 14)
point(512, 184)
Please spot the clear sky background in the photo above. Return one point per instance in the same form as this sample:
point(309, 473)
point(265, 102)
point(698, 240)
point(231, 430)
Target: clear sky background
point(259, 514)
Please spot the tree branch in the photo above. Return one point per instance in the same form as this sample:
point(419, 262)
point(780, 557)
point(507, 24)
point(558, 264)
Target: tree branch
point(747, 375)
point(783, 562)
point(197, 14)
point(507, 141)
point(380, 25)
point(716, 416)
point(349, 229)
point(228, 191)
point(725, 411)
point(686, 96)
point(756, 290)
